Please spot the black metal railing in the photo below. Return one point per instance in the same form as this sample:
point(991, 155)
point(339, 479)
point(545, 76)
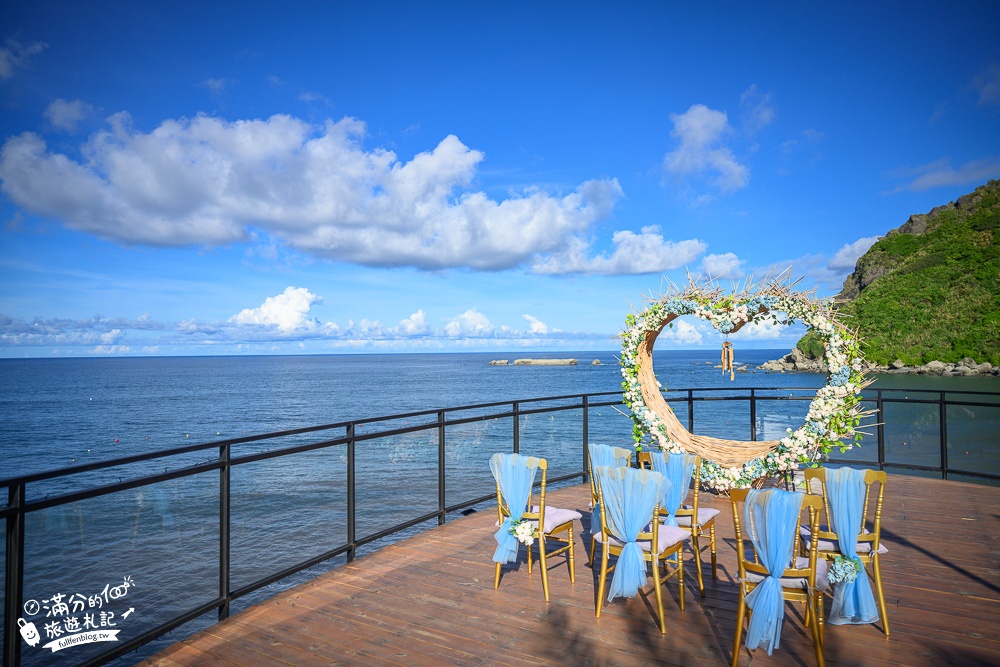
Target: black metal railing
point(226, 455)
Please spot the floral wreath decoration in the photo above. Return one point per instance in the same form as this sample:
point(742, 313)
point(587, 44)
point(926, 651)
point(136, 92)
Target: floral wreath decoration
point(834, 414)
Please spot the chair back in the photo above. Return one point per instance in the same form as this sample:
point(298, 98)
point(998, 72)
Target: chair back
point(847, 493)
point(870, 530)
point(629, 498)
point(604, 455)
point(770, 519)
point(515, 477)
point(677, 467)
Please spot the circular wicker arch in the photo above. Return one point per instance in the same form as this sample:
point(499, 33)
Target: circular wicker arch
point(726, 453)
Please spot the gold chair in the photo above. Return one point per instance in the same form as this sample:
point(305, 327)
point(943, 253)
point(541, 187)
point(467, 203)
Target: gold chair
point(669, 541)
point(697, 520)
point(550, 523)
point(869, 546)
point(621, 457)
point(804, 580)
point(642, 460)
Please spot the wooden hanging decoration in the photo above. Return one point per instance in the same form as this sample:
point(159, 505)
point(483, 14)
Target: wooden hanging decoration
point(727, 360)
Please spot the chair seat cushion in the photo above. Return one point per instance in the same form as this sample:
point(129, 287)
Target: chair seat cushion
point(667, 536)
point(822, 582)
point(833, 545)
point(705, 516)
point(555, 517)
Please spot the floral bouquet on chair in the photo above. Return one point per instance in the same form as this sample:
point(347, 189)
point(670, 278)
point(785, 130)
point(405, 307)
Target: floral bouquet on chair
point(845, 569)
point(523, 531)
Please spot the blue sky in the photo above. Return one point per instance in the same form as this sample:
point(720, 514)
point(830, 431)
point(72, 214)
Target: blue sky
point(260, 178)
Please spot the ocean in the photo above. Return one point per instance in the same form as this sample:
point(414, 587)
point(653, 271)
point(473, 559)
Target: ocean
point(157, 546)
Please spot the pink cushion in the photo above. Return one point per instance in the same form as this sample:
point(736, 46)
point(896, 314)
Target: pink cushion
point(705, 515)
point(822, 582)
point(668, 536)
point(555, 517)
point(832, 545)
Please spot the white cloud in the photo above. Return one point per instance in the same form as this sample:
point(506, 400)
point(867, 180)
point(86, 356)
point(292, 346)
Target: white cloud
point(757, 109)
point(725, 265)
point(66, 116)
point(288, 311)
point(987, 85)
point(682, 333)
point(940, 174)
point(634, 254)
point(700, 133)
point(414, 324)
point(470, 323)
point(535, 325)
point(15, 55)
point(216, 86)
point(847, 257)
point(207, 181)
point(762, 331)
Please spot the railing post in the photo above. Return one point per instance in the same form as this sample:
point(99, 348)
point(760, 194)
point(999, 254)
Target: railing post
point(943, 413)
point(517, 427)
point(690, 411)
point(441, 470)
point(753, 415)
point(224, 524)
point(880, 429)
point(14, 576)
point(351, 535)
point(586, 433)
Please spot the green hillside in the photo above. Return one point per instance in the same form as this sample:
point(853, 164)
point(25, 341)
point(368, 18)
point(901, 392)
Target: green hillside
point(931, 289)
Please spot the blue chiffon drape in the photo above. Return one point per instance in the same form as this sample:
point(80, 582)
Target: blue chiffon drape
point(853, 601)
point(771, 518)
point(606, 455)
point(515, 474)
point(630, 498)
point(678, 468)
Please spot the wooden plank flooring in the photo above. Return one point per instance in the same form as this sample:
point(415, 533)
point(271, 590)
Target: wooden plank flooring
point(429, 600)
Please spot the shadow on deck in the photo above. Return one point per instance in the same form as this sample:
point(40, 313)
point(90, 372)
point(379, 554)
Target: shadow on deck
point(429, 600)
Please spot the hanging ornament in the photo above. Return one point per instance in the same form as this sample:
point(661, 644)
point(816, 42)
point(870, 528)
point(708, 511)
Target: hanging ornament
point(727, 360)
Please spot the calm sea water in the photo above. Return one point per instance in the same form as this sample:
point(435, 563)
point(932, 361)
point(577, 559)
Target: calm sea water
point(157, 546)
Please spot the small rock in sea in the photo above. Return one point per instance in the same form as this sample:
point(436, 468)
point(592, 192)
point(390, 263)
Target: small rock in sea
point(595, 362)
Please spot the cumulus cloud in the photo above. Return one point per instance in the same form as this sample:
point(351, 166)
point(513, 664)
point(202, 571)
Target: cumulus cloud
point(414, 325)
point(847, 257)
point(15, 54)
point(681, 333)
point(469, 323)
point(940, 174)
point(282, 323)
point(725, 265)
point(535, 325)
point(634, 254)
point(206, 181)
point(66, 116)
point(763, 331)
point(287, 311)
point(701, 151)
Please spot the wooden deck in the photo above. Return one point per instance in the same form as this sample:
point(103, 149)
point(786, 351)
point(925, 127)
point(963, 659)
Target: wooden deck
point(429, 600)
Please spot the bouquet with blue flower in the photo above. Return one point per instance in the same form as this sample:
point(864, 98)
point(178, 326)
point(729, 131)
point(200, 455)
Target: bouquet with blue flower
point(845, 569)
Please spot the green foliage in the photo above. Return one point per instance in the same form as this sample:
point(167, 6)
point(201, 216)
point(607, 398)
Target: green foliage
point(811, 345)
point(937, 295)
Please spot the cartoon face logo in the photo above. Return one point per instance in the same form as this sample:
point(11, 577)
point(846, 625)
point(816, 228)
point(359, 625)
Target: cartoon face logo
point(29, 632)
